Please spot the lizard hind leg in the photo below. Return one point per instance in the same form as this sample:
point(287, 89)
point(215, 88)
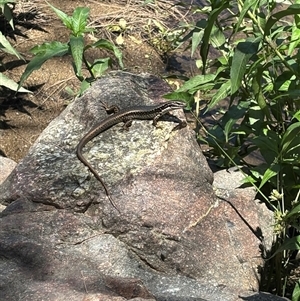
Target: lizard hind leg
point(127, 124)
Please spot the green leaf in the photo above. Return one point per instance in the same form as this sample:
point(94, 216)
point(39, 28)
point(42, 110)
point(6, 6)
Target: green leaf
point(105, 44)
point(293, 9)
point(7, 1)
point(6, 46)
point(185, 96)
point(295, 38)
point(283, 81)
point(100, 66)
point(79, 20)
point(217, 37)
point(50, 49)
point(297, 115)
point(7, 13)
point(268, 146)
point(231, 116)
point(85, 84)
point(256, 117)
point(77, 47)
point(244, 51)
point(246, 6)
point(290, 137)
point(290, 244)
point(67, 21)
point(195, 83)
point(249, 180)
point(222, 93)
point(294, 212)
point(269, 174)
point(197, 34)
point(259, 96)
point(227, 129)
point(10, 84)
point(296, 292)
point(43, 53)
point(207, 31)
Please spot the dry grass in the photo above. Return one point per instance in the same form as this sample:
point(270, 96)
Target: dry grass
point(137, 13)
point(148, 21)
point(153, 23)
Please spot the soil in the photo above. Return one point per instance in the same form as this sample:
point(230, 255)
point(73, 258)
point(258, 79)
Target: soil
point(24, 116)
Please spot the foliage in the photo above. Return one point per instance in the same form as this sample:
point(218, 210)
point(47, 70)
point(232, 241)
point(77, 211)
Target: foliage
point(256, 76)
point(7, 47)
point(162, 39)
point(76, 47)
point(296, 292)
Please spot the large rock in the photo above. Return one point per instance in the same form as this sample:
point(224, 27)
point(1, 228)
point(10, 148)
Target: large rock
point(6, 167)
point(173, 239)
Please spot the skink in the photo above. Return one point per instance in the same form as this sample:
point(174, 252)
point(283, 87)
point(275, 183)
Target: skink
point(126, 116)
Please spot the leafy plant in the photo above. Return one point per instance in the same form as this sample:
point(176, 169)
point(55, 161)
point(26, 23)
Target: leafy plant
point(76, 47)
point(296, 292)
point(7, 47)
point(162, 38)
point(255, 74)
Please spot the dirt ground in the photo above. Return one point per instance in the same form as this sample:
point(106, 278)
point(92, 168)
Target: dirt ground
point(24, 116)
